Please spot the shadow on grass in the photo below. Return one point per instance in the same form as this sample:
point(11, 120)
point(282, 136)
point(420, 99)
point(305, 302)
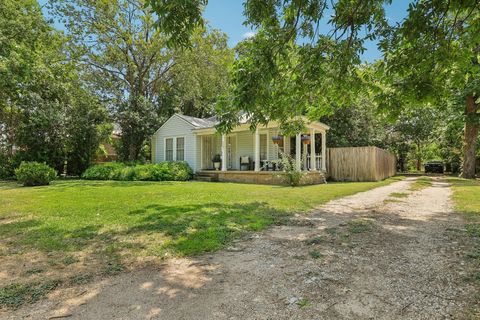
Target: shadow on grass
point(61, 185)
point(459, 182)
point(187, 229)
point(193, 229)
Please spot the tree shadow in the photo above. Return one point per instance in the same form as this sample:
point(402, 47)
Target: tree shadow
point(194, 229)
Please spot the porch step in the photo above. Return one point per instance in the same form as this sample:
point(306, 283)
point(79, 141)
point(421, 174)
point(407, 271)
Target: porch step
point(203, 178)
point(206, 177)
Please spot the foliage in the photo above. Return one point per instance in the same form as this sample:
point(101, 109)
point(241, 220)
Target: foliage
point(201, 74)
point(164, 171)
point(14, 295)
point(46, 112)
point(103, 171)
point(35, 174)
point(6, 167)
point(292, 175)
point(357, 125)
point(290, 69)
point(130, 64)
point(178, 19)
point(433, 57)
point(217, 158)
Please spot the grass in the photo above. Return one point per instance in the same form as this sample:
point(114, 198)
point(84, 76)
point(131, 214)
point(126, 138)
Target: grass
point(14, 295)
point(399, 194)
point(391, 201)
point(302, 303)
point(421, 183)
point(315, 254)
point(466, 198)
point(359, 225)
point(314, 240)
point(73, 227)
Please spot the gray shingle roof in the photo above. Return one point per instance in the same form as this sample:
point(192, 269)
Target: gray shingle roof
point(204, 123)
point(200, 123)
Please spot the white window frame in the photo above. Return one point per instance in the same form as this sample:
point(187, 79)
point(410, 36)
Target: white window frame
point(174, 138)
point(176, 149)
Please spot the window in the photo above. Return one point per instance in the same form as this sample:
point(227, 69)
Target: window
point(180, 149)
point(169, 149)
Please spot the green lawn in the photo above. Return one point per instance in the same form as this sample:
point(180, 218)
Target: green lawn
point(466, 197)
point(77, 226)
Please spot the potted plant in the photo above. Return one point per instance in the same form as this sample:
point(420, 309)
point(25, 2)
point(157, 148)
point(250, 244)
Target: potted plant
point(217, 161)
point(277, 139)
point(305, 139)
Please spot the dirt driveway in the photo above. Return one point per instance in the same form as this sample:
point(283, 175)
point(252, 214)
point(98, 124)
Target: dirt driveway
point(367, 256)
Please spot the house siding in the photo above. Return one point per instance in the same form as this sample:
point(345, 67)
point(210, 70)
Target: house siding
point(245, 143)
point(173, 128)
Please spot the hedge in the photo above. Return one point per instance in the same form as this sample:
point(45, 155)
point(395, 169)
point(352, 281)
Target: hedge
point(35, 174)
point(164, 171)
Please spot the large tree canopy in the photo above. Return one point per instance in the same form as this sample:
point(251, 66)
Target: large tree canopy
point(304, 58)
point(46, 114)
point(134, 68)
point(434, 56)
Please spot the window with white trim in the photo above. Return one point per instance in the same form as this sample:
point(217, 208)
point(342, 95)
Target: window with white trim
point(180, 148)
point(169, 149)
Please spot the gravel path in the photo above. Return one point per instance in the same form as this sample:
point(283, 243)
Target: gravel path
point(367, 256)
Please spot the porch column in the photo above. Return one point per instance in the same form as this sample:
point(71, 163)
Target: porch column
point(257, 150)
point(224, 152)
point(298, 151)
point(313, 154)
point(201, 152)
point(324, 151)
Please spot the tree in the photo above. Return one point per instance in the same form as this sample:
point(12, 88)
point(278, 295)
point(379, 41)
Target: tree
point(434, 57)
point(126, 59)
point(415, 127)
point(133, 66)
point(201, 73)
point(41, 93)
point(291, 68)
point(357, 125)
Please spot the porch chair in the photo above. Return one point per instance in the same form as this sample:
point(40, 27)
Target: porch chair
point(245, 161)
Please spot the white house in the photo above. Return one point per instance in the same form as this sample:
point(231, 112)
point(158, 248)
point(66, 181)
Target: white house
point(196, 141)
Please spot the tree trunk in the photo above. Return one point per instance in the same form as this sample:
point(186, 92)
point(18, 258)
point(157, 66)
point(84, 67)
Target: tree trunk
point(470, 139)
point(419, 157)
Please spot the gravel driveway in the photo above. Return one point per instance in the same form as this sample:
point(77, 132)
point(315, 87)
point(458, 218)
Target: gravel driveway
point(367, 256)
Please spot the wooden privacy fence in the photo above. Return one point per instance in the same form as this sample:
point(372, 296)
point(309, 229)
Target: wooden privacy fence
point(360, 164)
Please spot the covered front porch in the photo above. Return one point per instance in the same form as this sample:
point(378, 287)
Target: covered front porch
point(245, 152)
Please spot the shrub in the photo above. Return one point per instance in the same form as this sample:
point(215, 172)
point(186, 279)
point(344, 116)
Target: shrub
point(6, 167)
point(164, 171)
point(292, 175)
point(35, 174)
point(105, 171)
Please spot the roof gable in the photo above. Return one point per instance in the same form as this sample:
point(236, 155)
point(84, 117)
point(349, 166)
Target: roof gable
point(199, 123)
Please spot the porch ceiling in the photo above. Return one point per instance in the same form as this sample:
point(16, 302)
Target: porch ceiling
point(318, 126)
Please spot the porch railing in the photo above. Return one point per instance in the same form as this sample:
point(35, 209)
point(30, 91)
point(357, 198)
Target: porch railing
point(318, 162)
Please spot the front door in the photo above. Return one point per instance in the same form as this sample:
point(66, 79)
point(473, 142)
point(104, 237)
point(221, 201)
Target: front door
point(207, 152)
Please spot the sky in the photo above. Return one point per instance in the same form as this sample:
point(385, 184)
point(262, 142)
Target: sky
point(227, 15)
